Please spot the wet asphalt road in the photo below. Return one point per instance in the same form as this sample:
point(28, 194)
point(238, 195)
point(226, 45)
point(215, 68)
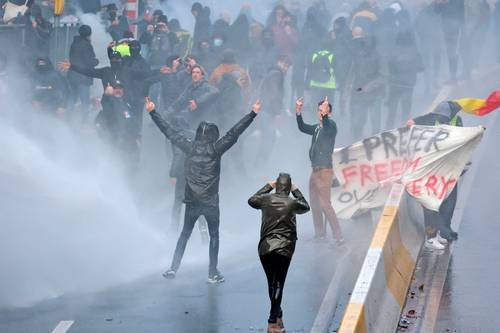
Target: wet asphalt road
point(188, 304)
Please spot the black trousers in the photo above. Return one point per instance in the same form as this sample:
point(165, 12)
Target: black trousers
point(398, 96)
point(441, 221)
point(193, 212)
point(276, 267)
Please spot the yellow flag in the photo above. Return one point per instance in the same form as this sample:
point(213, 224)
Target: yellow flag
point(58, 7)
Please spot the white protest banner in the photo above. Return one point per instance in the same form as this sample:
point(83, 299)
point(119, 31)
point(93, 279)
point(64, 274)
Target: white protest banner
point(427, 159)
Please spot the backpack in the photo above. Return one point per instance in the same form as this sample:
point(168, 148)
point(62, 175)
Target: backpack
point(321, 67)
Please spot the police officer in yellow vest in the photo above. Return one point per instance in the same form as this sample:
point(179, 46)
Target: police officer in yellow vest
point(320, 78)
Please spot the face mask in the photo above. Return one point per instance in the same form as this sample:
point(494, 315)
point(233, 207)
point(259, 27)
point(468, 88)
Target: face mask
point(218, 42)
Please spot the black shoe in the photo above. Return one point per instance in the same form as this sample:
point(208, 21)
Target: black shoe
point(454, 235)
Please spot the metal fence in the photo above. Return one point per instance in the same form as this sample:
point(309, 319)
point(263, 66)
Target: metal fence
point(13, 40)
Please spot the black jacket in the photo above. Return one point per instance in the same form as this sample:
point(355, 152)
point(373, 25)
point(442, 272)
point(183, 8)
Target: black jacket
point(404, 64)
point(432, 119)
point(323, 141)
point(106, 74)
point(135, 73)
point(203, 156)
point(170, 87)
point(278, 232)
point(161, 45)
point(81, 54)
point(204, 94)
point(272, 91)
point(49, 88)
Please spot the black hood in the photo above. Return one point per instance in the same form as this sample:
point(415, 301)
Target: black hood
point(207, 132)
point(284, 184)
point(447, 109)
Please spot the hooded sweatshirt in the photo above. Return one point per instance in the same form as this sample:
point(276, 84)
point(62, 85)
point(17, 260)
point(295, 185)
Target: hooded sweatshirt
point(203, 156)
point(278, 232)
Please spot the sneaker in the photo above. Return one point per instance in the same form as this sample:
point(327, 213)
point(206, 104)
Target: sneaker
point(434, 244)
point(216, 278)
point(274, 328)
point(170, 274)
point(440, 239)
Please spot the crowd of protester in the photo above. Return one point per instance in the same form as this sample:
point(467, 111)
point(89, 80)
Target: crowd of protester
point(360, 60)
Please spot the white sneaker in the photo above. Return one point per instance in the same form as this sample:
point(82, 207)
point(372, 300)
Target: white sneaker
point(433, 243)
point(440, 239)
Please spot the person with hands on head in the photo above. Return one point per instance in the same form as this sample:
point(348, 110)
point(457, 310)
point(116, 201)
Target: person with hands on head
point(278, 235)
point(320, 183)
point(202, 171)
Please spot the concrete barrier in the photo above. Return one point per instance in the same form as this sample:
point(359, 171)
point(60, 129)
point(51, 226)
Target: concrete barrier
point(380, 291)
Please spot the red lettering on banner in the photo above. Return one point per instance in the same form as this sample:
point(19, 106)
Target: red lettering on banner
point(413, 165)
point(431, 185)
point(381, 171)
point(396, 168)
point(416, 186)
point(446, 184)
point(365, 174)
point(347, 173)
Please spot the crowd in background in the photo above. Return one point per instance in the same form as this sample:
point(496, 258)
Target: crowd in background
point(365, 56)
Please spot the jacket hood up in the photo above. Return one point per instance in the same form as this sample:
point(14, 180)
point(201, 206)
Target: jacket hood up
point(284, 184)
point(447, 109)
point(207, 132)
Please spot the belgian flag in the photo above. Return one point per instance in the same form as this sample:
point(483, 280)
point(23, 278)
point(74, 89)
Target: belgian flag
point(480, 107)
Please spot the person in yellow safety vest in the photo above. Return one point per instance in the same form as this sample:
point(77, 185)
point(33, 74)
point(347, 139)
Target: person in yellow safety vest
point(122, 46)
point(320, 76)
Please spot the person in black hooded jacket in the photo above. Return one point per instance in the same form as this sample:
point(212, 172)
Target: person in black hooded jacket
point(203, 24)
point(49, 88)
point(202, 168)
point(82, 54)
point(278, 235)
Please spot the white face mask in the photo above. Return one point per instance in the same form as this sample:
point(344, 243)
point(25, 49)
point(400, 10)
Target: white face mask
point(218, 42)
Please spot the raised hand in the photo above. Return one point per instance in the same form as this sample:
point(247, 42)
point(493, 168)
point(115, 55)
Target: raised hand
point(299, 104)
point(109, 90)
point(256, 107)
point(64, 66)
point(324, 107)
point(192, 105)
point(150, 106)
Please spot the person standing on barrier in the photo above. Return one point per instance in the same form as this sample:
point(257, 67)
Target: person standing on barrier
point(438, 224)
point(278, 235)
point(323, 141)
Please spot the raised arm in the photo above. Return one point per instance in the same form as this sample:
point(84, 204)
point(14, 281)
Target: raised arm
point(88, 71)
point(303, 127)
point(175, 136)
point(231, 137)
point(257, 200)
point(301, 205)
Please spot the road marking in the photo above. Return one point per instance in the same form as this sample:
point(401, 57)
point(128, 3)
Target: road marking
point(63, 326)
